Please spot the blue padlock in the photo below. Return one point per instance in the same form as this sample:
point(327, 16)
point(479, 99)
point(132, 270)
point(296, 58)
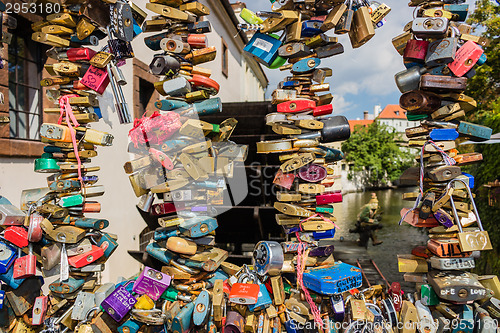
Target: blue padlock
point(154, 41)
point(471, 179)
point(482, 59)
point(292, 326)
point(8, 278)
point(137, 29)
point(97, 111)
point(443, 134)
point(440, 70)
point(311, 28)
point(332, 154)
point(8, 257)
point(289, 84)
point(198, 226)
point(202, 308)
point(108, 244)
point(219, 274)
point(411, 64)
point(470, 74)
point(160, 253)
point(263, 47)
point(2, 297)
point(130, 326)
point(203, 108)
point(175, 144)
point(263, 300)
point(338, 307)
point(466, 321)
point(305, 65)
point(317, 235)
point(170, 104)
point(332, 279)
point(459, 9)
point(162, 234)
point(474, 132)
point(182, 321)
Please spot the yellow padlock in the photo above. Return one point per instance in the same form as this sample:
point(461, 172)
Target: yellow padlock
point(144, 303)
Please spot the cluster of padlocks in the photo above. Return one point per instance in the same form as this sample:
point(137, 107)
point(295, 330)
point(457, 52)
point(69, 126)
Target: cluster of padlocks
point(51, 232)
point(440, 54)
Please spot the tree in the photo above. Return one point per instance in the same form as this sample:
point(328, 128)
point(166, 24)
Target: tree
point(375, 148)
point(485, 88)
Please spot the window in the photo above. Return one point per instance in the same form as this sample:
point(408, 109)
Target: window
point(146, 91)
point(25, 93)
point(225, 59)
point(397, 113)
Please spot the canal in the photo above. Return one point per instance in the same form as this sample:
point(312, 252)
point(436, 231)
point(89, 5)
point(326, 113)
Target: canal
point(397, 239)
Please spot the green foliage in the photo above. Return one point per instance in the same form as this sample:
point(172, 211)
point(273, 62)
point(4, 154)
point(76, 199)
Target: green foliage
point(485, 88)
point(375, 148)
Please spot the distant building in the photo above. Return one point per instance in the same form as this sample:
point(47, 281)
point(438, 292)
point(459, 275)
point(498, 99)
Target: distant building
point(394, 116)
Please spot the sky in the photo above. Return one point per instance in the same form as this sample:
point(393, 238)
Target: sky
point(363, 77)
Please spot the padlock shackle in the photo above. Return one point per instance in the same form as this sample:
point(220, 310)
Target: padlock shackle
point(452, 202)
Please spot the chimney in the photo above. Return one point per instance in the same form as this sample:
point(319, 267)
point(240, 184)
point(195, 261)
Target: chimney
point(365, 115)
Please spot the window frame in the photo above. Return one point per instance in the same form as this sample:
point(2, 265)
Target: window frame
point(224, 58)
point(15, 61)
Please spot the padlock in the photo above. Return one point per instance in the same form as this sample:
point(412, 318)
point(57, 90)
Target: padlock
point(362, 30)
point(17, 236)
point(457, 286)
point(409, 80)
point(25, 267)
point(344, 24)
point(84, 302)
point(416, 50)
point(22, 299)
point(151, 283)
point(263, 47)
point(81, 260)
point(465, 58)
point(39, 310)
point(347, 278)
point(165, 65)
point(122, 21)
point(182, 322)
point(333, 17)
point(426, 27)
point(263, 300)
point(442, 51)
point(8, 257)
point(119, 302)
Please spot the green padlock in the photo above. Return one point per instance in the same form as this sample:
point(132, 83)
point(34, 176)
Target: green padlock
point(71, 201)
point(250, 17)
point(428, 296)
point(46, 164)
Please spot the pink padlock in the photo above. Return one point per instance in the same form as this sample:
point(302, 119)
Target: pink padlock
point(96, 79)
point(416, 50)
point(328, 198)
point(465, 58)
point(25, 267)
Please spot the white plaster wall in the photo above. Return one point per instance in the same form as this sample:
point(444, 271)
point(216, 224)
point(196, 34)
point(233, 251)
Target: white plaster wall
point(118, 203)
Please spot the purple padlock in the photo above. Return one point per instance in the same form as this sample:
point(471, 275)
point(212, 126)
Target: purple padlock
point(119, 302)
point(313, 173)
point(152, 283)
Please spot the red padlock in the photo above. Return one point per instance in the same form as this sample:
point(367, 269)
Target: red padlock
point(396, 296)
point(17, 236)
point(79, 54)
point(161, 157)
point(197, 41)
point(35, 232)
point(323, 110)
point(25, 267)
point(39, 310)
point(416, 50)
point(328, 198)
point(298, 105)
point(96, 79)
point(203, 81)
point(465, 58)
point(244, 293)
point(86, 258)
point(91, 207)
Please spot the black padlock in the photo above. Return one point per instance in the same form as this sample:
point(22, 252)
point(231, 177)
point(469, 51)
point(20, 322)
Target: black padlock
point(122, 21)
point(200, 27)
point(164, 65)
point(121, 49)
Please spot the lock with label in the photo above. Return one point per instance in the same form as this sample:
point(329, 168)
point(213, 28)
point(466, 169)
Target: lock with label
point(442, 51)
point(119, 302)
point(263, 47)
point(151, 283)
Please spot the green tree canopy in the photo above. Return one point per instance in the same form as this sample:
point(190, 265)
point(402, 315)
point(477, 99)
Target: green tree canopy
point(374, 148)
point(485, 88)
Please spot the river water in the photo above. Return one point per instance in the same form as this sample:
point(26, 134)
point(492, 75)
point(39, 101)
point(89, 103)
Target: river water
point(397, 239)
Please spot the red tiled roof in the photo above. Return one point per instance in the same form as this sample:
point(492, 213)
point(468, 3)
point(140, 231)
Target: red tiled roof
point(392, 111)
point(363, 122)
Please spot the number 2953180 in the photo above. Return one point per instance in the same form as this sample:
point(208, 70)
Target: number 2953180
point(32, 8)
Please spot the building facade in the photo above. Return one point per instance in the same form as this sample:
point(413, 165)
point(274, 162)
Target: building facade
point(240, 77)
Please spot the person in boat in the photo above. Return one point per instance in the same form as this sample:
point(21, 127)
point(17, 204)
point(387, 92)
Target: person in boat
point(368, 222)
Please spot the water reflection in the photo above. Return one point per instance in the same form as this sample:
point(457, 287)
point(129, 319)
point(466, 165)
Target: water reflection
point(397, 239)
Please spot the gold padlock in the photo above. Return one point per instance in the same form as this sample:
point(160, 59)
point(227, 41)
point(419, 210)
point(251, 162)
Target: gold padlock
point(196, 8)
point(64, 19)
point(84, 28)
point(57, 30)
point(51, 40)
point(101, 59)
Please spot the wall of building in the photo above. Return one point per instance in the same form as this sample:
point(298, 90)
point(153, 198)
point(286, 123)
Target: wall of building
point(118, 203)
point(399, 124)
